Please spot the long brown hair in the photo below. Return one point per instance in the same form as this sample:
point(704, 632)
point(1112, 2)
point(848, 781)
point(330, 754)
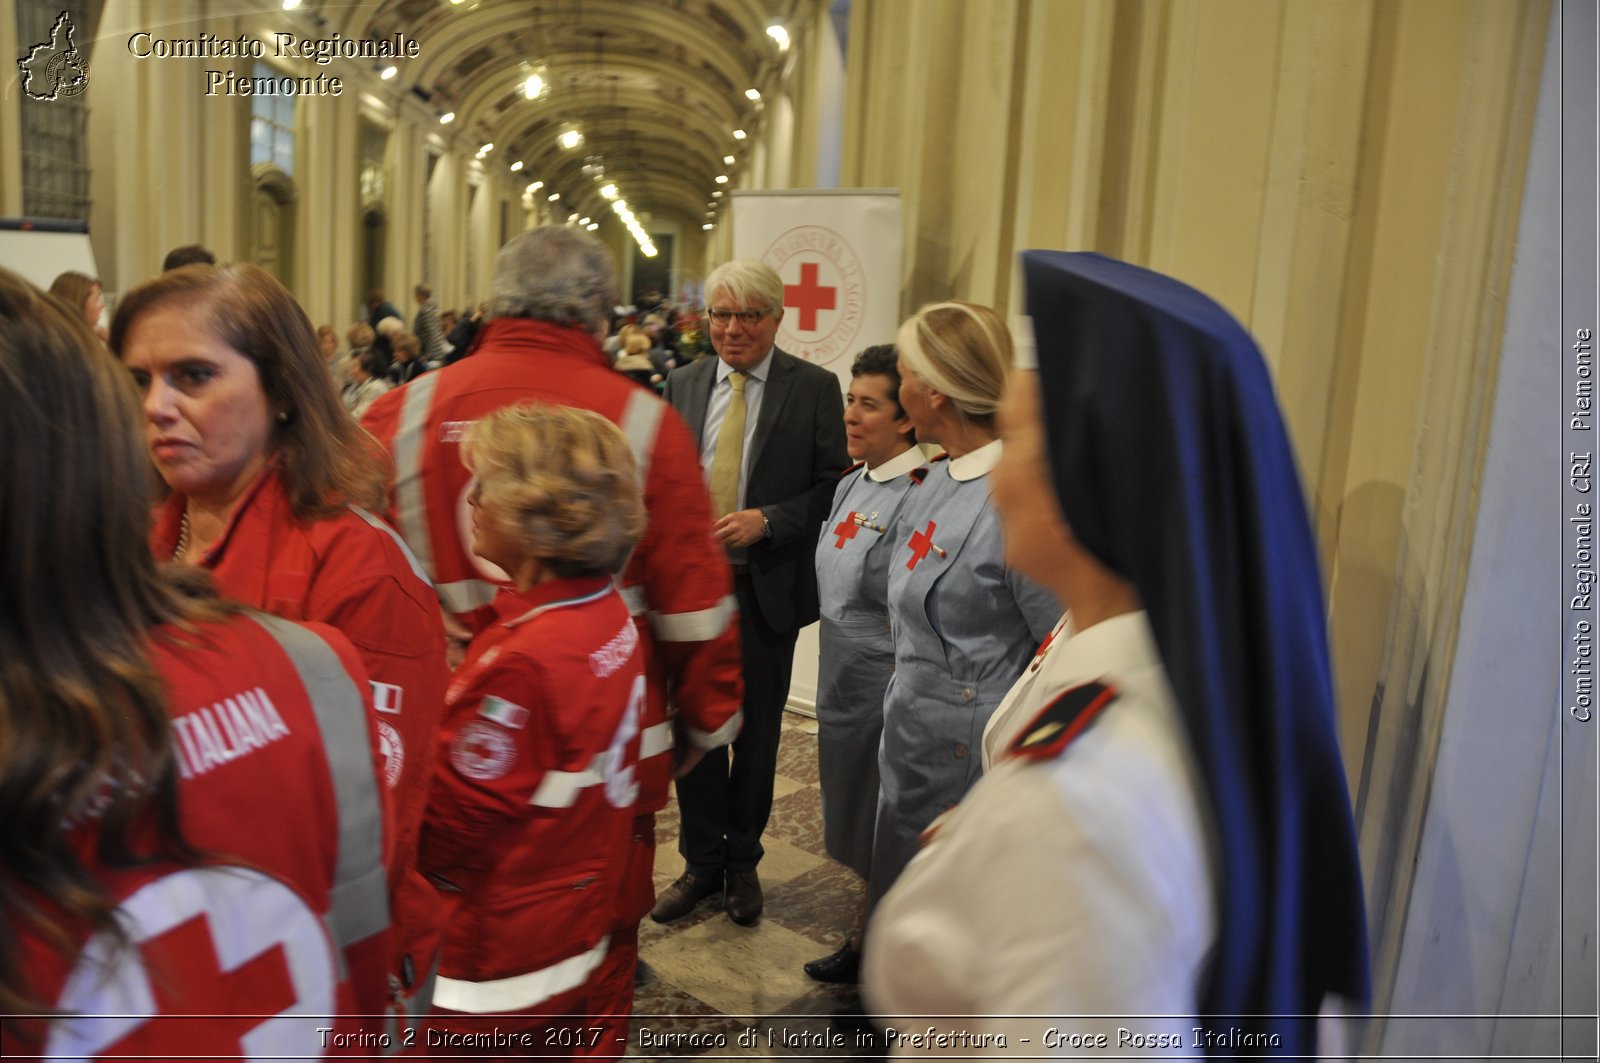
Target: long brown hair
point(328, 460)
point(84, 726)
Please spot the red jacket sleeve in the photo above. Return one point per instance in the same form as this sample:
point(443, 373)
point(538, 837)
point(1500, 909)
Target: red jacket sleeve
point(495, 746)
point(688, 591)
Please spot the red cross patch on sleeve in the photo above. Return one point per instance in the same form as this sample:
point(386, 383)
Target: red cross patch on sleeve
point(1061, 721)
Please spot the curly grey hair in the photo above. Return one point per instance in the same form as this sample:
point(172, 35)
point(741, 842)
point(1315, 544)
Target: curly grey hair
point(554, 273)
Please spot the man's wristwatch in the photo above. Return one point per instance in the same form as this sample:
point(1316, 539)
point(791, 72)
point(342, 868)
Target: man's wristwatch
point(766, 526)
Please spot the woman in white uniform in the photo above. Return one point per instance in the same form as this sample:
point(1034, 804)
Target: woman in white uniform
point(856, 653)
point(965, 625)
point(1160, 858)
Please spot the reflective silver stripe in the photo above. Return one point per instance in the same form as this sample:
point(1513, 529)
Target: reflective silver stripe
point(411, 507)
point(560, 789)
point(360, 901)
point(411, 558)
point(655, 739)
point(464, 596)
point(522, 990)
point(721, 736)
point(634, 597)
point(641, 421)
point(700, 626)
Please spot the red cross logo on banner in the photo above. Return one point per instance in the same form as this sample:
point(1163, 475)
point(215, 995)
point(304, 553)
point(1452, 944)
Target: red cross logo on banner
point(206, 989)
point(809, 296)
point(846, 530)
point(921, 542)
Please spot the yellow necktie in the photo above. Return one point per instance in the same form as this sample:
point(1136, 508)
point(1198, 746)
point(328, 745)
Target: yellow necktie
point(730, 452)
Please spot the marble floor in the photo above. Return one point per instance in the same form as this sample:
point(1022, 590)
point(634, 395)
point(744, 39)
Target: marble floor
point(711, 989)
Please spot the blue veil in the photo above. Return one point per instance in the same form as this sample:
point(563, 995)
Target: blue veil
point(1172, 465)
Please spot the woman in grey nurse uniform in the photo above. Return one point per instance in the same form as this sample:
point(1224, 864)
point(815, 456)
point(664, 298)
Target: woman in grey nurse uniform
point(965, 626)
point(857, 653)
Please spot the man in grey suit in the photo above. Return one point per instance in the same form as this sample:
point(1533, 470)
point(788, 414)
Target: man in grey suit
point(771, 432)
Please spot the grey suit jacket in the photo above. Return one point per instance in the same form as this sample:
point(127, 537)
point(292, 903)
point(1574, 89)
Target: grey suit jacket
point(797, 455)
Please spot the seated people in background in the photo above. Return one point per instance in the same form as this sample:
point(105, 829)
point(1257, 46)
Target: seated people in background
point(1163, 836)
point(634, 362)
point(359, 336)
point(379, 310)
point(151, 733)
point(328, 344)
point(530, 814)
point(267, 476)
point(856, 655)
point(408, 363)
point(84, 294)
point(368, 381)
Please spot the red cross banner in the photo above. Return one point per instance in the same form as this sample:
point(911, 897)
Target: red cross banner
point(838, 253)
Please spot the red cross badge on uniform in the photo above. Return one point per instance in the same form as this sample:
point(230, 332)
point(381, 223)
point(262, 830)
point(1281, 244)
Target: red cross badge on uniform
point(921, 542)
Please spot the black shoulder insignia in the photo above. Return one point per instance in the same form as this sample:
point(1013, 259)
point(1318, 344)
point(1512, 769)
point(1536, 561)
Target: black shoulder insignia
point(853, 468)
point(918, 474)
point(1061, 721)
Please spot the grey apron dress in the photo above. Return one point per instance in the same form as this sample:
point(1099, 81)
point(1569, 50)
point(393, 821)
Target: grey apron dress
point(964, 628)
point(856, 660)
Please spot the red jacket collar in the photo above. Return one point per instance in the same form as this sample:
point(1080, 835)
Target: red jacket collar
point(512, 606)
point(514, 335)
point(169, 515)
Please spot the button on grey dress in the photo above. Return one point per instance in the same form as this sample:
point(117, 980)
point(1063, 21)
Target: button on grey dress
point(856, 660)
point(965, 627)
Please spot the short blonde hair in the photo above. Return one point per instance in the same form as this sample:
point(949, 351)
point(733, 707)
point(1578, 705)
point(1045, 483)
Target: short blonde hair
point(963, 351)
point(563, 481)
point(634, 340)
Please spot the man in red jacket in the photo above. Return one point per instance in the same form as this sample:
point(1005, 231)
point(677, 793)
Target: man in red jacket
point(549, 309)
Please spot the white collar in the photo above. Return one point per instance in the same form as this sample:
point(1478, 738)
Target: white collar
point(975, 463)
point(758, 371)
point(897, 466)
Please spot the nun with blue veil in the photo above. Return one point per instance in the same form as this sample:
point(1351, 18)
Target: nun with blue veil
point(1161, 849)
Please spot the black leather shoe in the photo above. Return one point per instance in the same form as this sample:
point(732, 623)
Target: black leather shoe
point(680, 898)
point(744, 897)
point(842, 968)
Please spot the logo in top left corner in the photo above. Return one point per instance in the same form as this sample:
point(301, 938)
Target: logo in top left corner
point(55, 68)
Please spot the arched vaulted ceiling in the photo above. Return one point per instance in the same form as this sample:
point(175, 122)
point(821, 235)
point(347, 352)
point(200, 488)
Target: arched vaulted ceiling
point(656, 87)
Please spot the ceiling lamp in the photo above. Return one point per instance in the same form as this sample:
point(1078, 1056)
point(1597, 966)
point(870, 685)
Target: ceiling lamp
point(717, 194)
point(752, 95)
point(553, 197)
point(739, 134)
point(516, 166)
point(780, 35)
point(534, 186)
point(290, 5)
point(592, 226)
point(534, 87)
point(609, 190)
point(722, 178)
point(706, 227)
point(447, 118)
point(728, 159)
point(570, 139)
point(389, 72)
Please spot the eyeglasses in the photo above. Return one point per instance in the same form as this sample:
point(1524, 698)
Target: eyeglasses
point(746, 317)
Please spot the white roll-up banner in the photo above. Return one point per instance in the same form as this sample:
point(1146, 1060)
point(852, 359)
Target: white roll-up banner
point(838, 253)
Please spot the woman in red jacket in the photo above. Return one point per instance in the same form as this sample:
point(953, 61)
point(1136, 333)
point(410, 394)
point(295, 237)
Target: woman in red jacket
point(153, 863)
point(530, 814)
point(268, 477)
